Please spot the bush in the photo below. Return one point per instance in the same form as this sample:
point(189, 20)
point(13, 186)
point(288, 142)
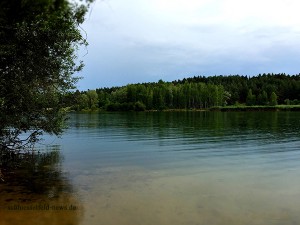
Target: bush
point(113, 107)
point(139, 106)
point(130, 106)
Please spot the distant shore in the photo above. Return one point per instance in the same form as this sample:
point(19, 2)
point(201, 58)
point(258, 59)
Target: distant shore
point(257, 108)
point(239, 108)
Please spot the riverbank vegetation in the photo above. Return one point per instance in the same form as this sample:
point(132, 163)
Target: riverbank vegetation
point(38, 59)
point(198, 92)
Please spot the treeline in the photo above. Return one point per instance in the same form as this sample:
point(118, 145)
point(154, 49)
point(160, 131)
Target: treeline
point(285, 87)
point(197, 92)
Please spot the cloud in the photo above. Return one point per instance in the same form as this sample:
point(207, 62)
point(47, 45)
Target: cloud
point(140, 41)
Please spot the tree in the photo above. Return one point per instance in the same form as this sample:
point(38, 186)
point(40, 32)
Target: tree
point(92, 99)
point(38, 44)
point(250, 100)
point(273, 99)
point(287, 101)
point(83, 101)
point(262, 98)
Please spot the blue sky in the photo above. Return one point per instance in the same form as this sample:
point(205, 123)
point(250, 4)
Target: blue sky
point(137, 41)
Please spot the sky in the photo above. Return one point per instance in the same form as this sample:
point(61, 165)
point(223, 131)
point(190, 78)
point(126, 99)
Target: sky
point(137, 41)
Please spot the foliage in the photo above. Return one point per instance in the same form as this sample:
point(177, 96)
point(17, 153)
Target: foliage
point(199, 93)
point(92, 97)
point(158, 96)
point(251, 98)
point(283, 85)
point(38, 44)
point(273, 99)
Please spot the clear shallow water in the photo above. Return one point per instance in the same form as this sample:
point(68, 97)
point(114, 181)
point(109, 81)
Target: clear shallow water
point(167, 168)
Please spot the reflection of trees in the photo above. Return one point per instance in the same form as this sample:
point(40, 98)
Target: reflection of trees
point(191, 124)
point(33, 179)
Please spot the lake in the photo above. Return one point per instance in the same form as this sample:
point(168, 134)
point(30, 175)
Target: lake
point(192, 168)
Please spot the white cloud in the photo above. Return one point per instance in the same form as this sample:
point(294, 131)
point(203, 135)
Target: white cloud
point(145, 39)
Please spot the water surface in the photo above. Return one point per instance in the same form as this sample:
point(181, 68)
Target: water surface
point(164, 168)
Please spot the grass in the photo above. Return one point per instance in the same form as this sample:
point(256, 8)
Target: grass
point(257, 108)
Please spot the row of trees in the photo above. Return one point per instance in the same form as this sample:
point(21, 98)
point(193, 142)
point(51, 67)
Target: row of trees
point(158, 96)
point(286, 87)
point(192, 93)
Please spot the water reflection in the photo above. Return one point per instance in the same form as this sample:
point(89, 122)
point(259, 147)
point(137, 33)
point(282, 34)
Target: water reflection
point(194, 129)
point(189, 122)
point(35, 189)
point(185, 167)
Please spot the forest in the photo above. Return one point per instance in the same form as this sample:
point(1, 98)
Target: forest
point(198, 92)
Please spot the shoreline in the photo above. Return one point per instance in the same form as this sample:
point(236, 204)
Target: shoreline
point(256, 108)
point(241, 108)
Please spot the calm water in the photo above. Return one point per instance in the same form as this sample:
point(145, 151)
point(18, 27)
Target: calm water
point(205, 168)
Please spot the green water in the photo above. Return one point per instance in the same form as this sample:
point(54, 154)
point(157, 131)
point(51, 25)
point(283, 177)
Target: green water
point(162, 168)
